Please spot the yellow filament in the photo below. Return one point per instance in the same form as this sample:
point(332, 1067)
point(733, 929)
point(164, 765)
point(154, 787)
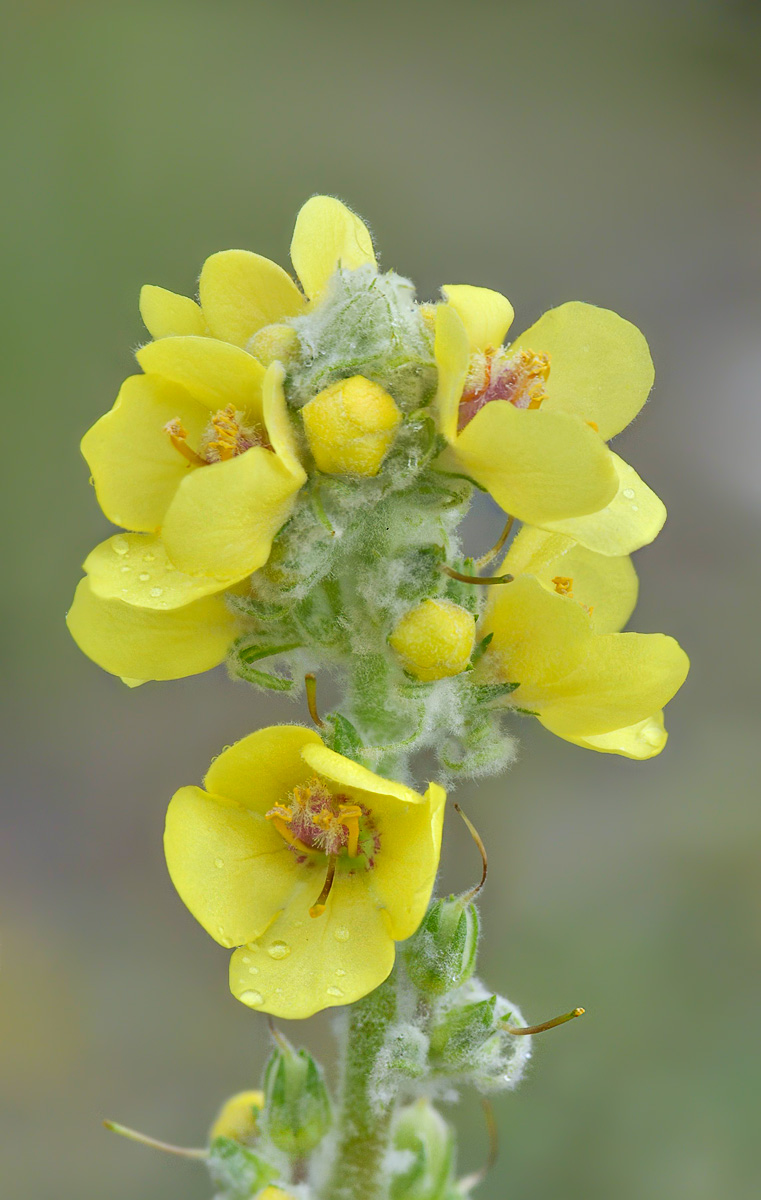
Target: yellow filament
point(349, 815)
point(178, 437)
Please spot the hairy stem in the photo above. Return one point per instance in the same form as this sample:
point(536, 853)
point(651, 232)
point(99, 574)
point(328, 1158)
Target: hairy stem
point(364, 1121)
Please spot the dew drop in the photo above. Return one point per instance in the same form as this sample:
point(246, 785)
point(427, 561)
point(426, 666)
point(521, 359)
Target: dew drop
point(125, 570)
point(635, 508)
point(252, 997)
point(334, 991)
point(340, 972)
point(245, 959)
point(143, 576)
point(219, 862)
point(629, 493)
point(279, 950)
point(341, 934)
point(170, 567)
point(253, 970)
point(120, 545)
point(156, 592)
point(149, 557)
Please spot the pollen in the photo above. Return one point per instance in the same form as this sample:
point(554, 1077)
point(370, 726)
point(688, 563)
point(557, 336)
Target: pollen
point(313, 820)
point(226, 437)
point(563, 585)
point(517, 377)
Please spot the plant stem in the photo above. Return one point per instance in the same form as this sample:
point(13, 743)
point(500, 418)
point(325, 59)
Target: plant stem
point(364, 1120)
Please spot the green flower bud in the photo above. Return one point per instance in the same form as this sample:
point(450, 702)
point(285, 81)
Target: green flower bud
point(297, 1112)
point(442, 954)
point(462, 1032)
point(422, 1131)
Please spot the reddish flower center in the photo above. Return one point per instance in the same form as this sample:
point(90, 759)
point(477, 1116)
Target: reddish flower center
point(517, 377)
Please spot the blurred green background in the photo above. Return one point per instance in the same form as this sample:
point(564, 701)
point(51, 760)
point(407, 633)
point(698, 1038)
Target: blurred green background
point(605, 152)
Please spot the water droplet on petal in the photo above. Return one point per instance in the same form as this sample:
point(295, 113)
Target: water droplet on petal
point(120, 545)
point(279, 950)
point(245, 959)
point(635, 508)
point(253, 970)
point(148, 557)
point(341, 934)
point(629, 493)
point(334, 991)
point(340, 972)
point(143, 576)
point(170, 567)
point(156, 592)
point(252, 997)
point(125, 570)
point(219, 862)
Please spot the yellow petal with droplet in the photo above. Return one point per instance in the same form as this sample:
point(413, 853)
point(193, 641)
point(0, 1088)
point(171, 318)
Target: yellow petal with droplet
point(142, 643)
point(600, 364)
point(229, 865)
point(135, 568)
point(167, 314)
point(304, 963)
point(241, 292)
point(632, 519)
point(486, 315)
point(328, 235)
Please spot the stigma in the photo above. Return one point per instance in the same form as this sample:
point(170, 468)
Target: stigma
point(227, 435)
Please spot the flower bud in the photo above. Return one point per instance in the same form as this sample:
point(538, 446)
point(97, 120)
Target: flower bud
point(473, 1040)
point(238, 1117)
point(463, 1030)
point(435, 640)
point(274, 343)
point(442, 954)
point(297, 1105)
point(350, 426)
point(423, 1132)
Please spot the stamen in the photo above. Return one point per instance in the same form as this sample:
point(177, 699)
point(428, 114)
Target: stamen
point(319, 907)
point(285, 833)
point(310, 682)
point(348, 815)
point(145, 1140)
point(490, 554)
point(471, 895)
point(482, 579)
point(227, 428)
point(531, 1029)
point(178, 437)
point(563, 585)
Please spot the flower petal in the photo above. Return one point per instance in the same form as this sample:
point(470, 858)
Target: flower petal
point(167, 314)
point(486, 315)
point(241, 292)
point(135, 568)
point(600, 364)
point(146, 643)
point(622, 679)
point(135, 468)
point(452, 353)
point(643, 740)
point(224, 516)
point(305, 964)
point(632, 519)
point(277, 421)
point(607, 587)
point(214, 372)
point(263, 769)
point(539, 466)
point(230, 867)
point(405, 867)
point(350, 774)
point(328, 235)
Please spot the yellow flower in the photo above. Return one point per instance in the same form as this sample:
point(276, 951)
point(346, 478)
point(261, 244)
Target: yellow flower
point(201, 448)
point(238, 1117)
point(554, 635)
point(350, 426)
point(137, 616)
point(312, 865)
point(435, 640)
point(527, 422)
point(242, 294)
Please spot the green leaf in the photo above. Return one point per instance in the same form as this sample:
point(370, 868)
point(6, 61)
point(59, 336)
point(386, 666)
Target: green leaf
point(481, 648)
point(484, 693)
point(343, 737)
